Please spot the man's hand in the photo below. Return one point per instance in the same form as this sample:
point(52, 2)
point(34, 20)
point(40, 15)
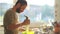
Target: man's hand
point(26, 21)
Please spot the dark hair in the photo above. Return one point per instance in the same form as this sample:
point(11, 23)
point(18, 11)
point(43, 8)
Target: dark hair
point(22, 2)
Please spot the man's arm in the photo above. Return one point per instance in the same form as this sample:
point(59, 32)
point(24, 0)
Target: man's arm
point(14, 26)
point(12, 20)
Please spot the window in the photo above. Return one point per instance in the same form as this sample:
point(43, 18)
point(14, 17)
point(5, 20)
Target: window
point(40, 11)
point(4, 5)
point(37, 10)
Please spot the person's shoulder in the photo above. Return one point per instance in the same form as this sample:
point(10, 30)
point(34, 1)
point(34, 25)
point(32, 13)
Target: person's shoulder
point(9, 10)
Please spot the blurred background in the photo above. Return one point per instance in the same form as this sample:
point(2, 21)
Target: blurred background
point(37, 10)
point(40, 12)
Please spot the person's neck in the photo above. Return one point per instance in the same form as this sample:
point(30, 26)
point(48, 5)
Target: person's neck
point(14, 9)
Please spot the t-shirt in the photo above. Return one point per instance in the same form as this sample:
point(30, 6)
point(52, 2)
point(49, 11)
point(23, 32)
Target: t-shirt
point(10, 17)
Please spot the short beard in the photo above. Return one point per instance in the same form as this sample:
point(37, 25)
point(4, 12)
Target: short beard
point(18, 10)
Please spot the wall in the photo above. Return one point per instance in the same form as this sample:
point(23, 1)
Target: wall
point(57, 10)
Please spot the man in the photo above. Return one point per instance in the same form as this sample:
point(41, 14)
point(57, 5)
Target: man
point(10, 20)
